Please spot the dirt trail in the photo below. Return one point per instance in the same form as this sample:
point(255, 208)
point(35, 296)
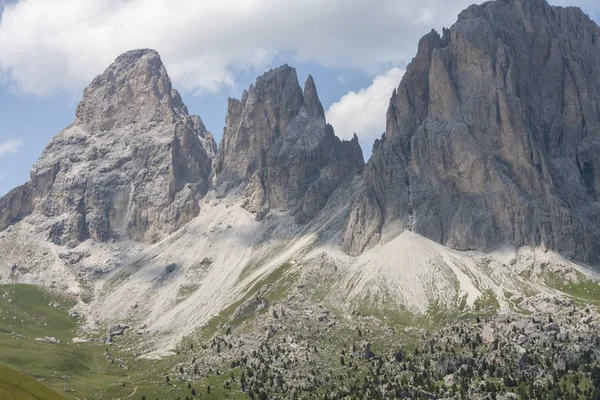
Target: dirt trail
point(132, 394)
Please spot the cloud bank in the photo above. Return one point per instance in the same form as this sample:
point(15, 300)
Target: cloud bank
point(50, 45)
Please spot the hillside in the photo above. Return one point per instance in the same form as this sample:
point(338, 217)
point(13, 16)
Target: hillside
point(16, 385)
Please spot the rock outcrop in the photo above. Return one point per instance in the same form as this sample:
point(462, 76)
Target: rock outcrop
point(15, 206)
point(492, 137)
point(206, 138)
point(132, 164)
point(278, 143)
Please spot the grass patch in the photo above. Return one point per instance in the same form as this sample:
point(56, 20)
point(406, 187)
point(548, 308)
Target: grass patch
point(28, 312)
point(16, 385)
point(34, 312)
point(273, 296)
point(185, 291)
point(487, 302)
point(583, 289)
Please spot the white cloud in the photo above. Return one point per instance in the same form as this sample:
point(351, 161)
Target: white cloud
point(363, 112)
point(10, 147)
point(48, 45)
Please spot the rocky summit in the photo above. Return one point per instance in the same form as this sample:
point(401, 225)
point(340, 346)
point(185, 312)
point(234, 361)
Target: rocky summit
point(277, 142)
point(132, 165)
point(460, 262)
point(492, 137)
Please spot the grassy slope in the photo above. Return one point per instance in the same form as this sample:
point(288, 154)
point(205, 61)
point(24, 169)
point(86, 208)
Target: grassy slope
point(16, 385)
point(583, 289)
point(27, 311)
point(31, 312)
point(278, 276)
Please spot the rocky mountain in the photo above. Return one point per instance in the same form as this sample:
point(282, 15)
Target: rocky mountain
point(277, 142)
point(492, 137)
point(280, 265)
point(133, 164)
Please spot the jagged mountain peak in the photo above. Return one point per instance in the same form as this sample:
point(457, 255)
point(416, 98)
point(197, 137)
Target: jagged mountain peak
point(134, 89)
point(491, 144)
point(277, 143)
point(132, 165)
point(311, 98)
point(491, 137)
point(149, 57)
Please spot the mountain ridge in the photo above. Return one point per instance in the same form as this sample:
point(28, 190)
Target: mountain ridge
point(277, 142)
point(459, 262)
point(489, 143)
point(134, 211)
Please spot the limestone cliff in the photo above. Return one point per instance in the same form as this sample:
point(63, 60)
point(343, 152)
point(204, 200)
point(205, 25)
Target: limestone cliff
point(278, 144)
point(131, 165)
point(492, 137)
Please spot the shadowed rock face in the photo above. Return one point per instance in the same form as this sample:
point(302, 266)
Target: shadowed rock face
point(277, 142)
point(492, 137)
point(131, 165)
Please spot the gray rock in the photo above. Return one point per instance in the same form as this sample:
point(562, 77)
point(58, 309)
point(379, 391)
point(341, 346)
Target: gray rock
point(449, 364)
point(450, 380)
point(117, 330)
point(366, 351)
point(492, 137)
point(15, 205)
point(552, 327)
point(72, 257)
point(131, 165)
point(170, 268)
point(278, 145)
point(523, 361)
point(49, 340)
point(206, 138)
point(250, 307)
point(206, 261)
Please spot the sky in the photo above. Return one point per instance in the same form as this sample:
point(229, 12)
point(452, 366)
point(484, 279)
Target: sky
point(356, 51)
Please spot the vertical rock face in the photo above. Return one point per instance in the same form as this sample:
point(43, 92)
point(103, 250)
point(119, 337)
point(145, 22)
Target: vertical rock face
point(132, 164)
point(277, 141)
point(15, 206)
point(206, 138)
point(492, 137)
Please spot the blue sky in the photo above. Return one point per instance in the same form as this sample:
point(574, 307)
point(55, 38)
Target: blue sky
point(355, 50)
